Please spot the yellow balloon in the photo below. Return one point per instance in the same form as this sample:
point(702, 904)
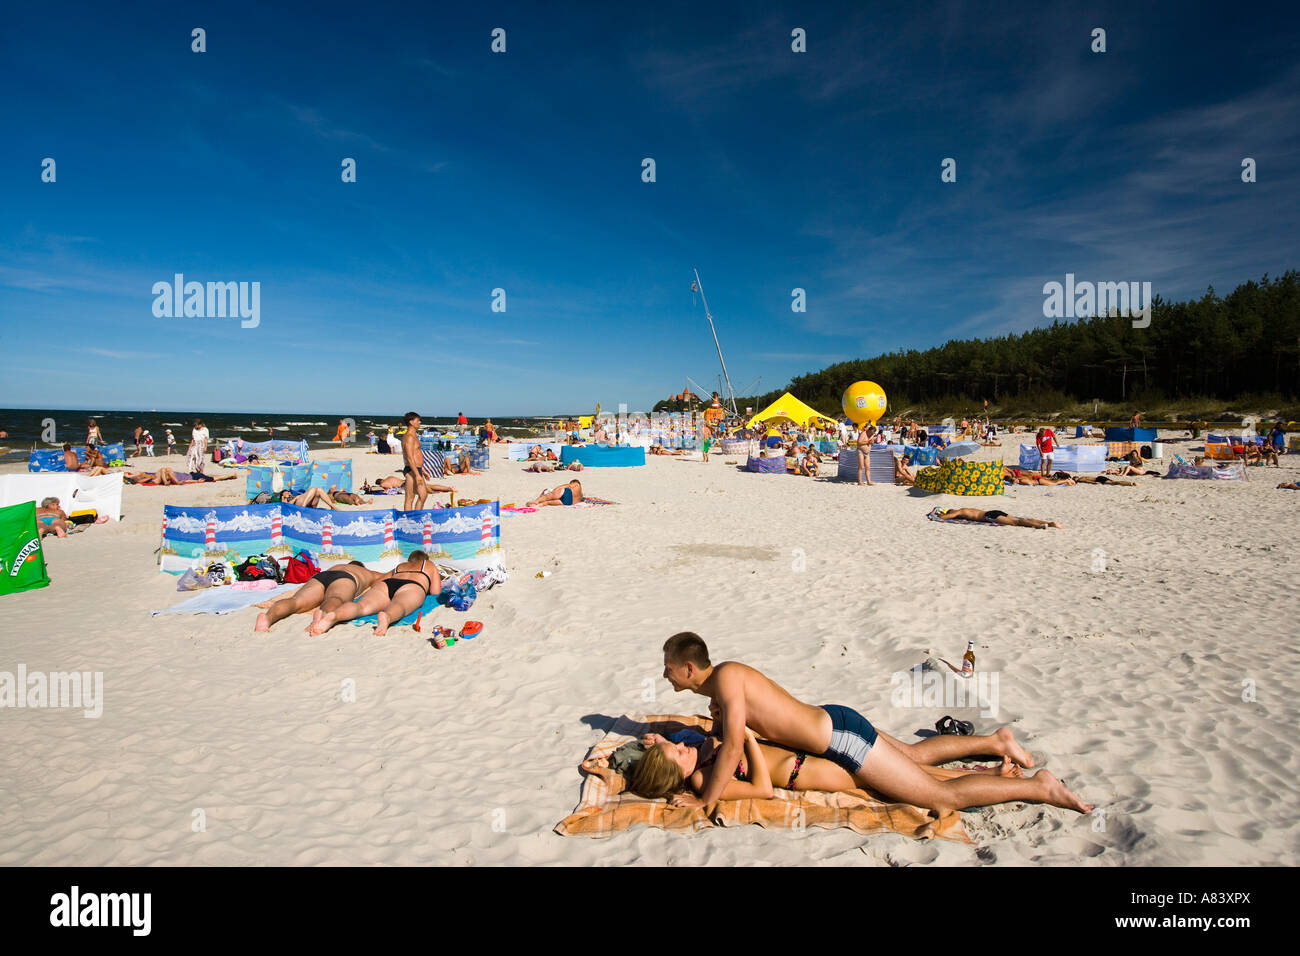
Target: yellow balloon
point(863, 402)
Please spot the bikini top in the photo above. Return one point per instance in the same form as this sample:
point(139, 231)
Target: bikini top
point(742, 772)
point(420, 570)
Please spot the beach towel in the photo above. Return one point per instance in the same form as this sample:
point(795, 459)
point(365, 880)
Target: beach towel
point(223, 600)
point(590, 502)
point(605, 807)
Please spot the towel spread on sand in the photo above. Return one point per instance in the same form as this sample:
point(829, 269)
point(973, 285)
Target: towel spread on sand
point(605, 808)
point(223, 600)
point(590, 502)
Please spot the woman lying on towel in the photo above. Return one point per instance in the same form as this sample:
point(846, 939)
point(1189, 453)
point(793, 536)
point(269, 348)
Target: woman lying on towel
point(565, 494)
point(668, 767)
point(326, 591)
point(390, 597)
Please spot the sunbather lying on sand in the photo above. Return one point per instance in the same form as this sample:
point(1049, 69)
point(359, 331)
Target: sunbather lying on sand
point(1019, 476)
point(541, 465)
point(1099, 480)
point(166, 476)
point(566, 494)
point(991, 517)
point(390, 598)
point(386, 483)
point(1291, 485)
point(873, 760)
point(661, 450)
point(669, 767)
point(347, 497)
point(325, 591)
point(51, 519)
point(1128, 469)
point(311, 498)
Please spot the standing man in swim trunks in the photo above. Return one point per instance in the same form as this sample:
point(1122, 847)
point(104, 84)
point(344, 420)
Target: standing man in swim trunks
point(413, 468)
point(875, 760)
point(866, 437)
point(706, 434)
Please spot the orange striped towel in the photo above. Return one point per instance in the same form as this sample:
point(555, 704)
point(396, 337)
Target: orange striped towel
point(605, 808)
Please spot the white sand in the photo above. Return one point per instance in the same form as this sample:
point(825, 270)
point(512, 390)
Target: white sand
point(1127, 684)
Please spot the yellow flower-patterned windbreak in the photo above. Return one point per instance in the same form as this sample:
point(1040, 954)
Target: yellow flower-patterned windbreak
point(972, 478)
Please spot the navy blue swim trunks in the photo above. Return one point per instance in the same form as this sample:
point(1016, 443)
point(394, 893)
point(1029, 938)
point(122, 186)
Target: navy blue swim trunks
point(852, 737)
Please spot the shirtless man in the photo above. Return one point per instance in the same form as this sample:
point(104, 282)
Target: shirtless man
point(902, 474)
point(325, 591)
point(992, 517)
point(413, 468)
point(875, 760)
point(95, 464)
point(566, 494)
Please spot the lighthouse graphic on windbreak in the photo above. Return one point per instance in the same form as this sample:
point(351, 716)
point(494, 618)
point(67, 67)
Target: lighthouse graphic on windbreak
point(391, 550)
point(277, 536)
point(486, 536)
point(327, 552)
point(210, 547)
point(426, 540)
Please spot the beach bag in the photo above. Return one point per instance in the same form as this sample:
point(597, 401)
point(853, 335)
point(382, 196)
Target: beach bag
point(194, 580)
point(301, 568)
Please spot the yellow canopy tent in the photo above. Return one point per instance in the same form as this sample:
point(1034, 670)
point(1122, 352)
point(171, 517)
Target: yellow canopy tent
point(788, 408)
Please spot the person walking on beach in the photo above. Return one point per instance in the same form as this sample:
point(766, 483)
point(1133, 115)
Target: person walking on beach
point(461, 422)
point(171, 442)
point(706, 439)
point(148, 443)
point(413, 464)
point(748, 699)
point(93, 437)
point(341, 433)
point(138, 451)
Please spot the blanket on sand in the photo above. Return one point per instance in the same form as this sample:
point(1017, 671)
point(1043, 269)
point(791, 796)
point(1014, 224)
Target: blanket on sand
point(605, 807)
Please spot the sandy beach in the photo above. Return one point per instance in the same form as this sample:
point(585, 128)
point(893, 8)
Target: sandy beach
point(218, 746)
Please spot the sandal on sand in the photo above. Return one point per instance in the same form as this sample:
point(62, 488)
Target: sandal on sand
point(950, 725)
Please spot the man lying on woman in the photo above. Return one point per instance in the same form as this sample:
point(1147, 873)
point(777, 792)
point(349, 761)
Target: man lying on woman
point(671, 766)
point(872, 760)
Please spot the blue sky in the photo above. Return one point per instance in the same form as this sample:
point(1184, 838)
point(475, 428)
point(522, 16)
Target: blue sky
point(522, 171)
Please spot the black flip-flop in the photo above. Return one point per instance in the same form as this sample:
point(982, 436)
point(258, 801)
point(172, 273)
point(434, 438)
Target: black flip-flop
point(950, 725)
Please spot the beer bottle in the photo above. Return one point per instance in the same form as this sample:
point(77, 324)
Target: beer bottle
point(968, 660)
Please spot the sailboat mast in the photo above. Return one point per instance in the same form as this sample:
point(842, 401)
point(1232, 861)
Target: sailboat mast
point(731, 395)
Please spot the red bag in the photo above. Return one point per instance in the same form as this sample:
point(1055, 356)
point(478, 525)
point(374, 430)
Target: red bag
point(300, 568)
